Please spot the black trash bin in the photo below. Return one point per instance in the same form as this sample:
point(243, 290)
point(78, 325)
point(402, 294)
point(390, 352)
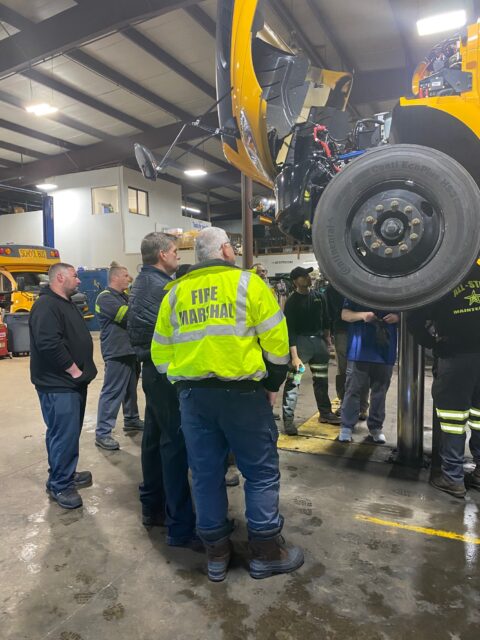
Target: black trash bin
point(18, 333)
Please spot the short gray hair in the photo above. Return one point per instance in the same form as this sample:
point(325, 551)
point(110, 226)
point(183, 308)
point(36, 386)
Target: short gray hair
point(208, 245)
point(57, 268)
point(152, 244)
point(115, 270)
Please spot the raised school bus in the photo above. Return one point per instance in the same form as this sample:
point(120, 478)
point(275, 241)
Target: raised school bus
point(23, 270)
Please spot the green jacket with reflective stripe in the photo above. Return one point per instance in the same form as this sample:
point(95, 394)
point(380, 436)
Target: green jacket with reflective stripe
point(219, 322)
point(111, 308)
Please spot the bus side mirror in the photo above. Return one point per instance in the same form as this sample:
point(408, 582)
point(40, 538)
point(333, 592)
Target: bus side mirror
point(20, 283)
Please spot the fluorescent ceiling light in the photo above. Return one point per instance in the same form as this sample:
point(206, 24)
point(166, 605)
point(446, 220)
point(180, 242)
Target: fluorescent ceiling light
point(195, 173)
point(46, 186)
point(191, 209)
point(41, 109)
point(442, 22)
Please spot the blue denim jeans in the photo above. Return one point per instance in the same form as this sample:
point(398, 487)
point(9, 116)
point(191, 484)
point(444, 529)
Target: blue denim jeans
point(63, 414)
point(361, 376)
point(215, 421)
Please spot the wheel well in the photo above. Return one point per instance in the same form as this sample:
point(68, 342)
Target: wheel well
point(433, 128)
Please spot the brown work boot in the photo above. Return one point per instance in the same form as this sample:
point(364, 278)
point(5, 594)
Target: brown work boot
point(455, 489)
point(472, 480)
point(218, 558)
point(272, 555)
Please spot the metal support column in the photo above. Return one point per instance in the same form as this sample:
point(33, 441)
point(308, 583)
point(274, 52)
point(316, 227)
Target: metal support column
point(209, 213)
point(411, 369)
point(48, 226)
point(247, 222)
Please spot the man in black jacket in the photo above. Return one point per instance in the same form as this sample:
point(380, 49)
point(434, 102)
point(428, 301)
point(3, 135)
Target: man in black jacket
point(61, 367)
point(451, 327)
point(120, 380)
point(165, 490)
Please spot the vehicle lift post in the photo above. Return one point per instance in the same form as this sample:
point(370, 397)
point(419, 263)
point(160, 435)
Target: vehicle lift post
point(47, 221)
point(247, 223)
point(411, 389)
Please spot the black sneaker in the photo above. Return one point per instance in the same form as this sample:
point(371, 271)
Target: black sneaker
point(289, 428)
point(82, 479)
point(329, 418)
point(107, 442)
point(135, 425)
point(68, 499)
point(153, 519)
point(194, 543)
point(472, 480)
point(455, 489)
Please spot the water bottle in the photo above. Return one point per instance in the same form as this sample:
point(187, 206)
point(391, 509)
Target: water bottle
point(298, 375)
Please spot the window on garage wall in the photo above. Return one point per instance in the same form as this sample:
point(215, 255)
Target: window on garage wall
point(105, 200)
point(138, 201)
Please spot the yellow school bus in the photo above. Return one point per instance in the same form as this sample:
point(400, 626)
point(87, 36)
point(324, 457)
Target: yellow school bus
point(23, 270)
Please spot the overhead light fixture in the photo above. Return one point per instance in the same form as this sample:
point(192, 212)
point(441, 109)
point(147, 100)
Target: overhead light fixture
point(46, 186)
point(442, 22)
point(191, 209)
point(195, 173)
point(41, 109)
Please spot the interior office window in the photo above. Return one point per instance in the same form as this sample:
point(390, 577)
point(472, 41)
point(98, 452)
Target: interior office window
point(137, 201)
point(104, 200)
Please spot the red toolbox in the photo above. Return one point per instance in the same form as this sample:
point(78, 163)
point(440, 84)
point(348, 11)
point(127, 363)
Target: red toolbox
point(3, 341)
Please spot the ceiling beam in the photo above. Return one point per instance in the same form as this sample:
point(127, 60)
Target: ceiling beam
point(377, 86)
point(103, 70)
point(169, 61)
point(8, 163)
point(56, 85)
point(332, 34)
point(401, 26)
point(206, 156)
point(15, 148)
point(59, 117)
point(75, 26)
point(37, 135)
point(202, 19)
point(14, 18)
point(113, 151)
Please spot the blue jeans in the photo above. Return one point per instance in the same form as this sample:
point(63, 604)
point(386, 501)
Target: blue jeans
point(215, 421)
point(63, 414)
point(361, 376)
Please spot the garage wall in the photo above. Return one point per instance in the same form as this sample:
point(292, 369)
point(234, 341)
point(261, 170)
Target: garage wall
point(21, 228)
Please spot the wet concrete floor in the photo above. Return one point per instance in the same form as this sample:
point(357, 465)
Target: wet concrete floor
point(377, 562)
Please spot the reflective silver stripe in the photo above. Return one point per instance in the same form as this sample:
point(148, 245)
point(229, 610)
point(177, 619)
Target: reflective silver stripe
point(213, 330)
point(270, 322)
point(474, 425)
point(276, 359)
point(319, 375)
point(452, 415)
point(167, 340)
point(318, 367)
point(162, 368)
point(258, 375)
point(172, 301)
point(452, 428)
point(475, 412)
point(241, 318)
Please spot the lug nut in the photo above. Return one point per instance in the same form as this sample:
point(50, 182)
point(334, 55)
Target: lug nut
point(367, 234)
point(375, 245)
point(379, 207)
point(403, 248)
point(416, 221)
point(394, 204)
point(414, 236)
point(370, 219)
point(408, 209)
point(388, 251)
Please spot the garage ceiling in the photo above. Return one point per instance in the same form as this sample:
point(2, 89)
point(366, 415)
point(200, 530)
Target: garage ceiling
point(122, 71)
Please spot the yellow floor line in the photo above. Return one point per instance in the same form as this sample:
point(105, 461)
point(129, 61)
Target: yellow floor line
point(425, 530)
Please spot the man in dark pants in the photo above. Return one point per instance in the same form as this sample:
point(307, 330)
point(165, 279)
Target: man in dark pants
point(340, 338)
point(371, 354)
point(454, 334)
point(120, 380)
point(165, 490)
point(309, 334)
point(223, 340)
point(61, 367)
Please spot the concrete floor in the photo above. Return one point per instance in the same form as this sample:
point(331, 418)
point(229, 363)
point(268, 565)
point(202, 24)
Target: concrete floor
point(96, 574)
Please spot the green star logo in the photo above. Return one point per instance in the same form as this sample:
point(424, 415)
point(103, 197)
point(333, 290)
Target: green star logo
point(473, 298)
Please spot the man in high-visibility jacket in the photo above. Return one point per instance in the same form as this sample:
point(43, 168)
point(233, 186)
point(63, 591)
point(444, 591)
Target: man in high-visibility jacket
point(121, 375)
point(222, 340)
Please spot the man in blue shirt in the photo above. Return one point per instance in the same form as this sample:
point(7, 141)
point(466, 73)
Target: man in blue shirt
point(371, 354)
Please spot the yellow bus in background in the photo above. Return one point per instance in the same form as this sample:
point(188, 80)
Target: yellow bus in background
point(23, 271)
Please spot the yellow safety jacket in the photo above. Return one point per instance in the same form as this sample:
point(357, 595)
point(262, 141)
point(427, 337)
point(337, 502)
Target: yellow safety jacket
point(220, 322)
